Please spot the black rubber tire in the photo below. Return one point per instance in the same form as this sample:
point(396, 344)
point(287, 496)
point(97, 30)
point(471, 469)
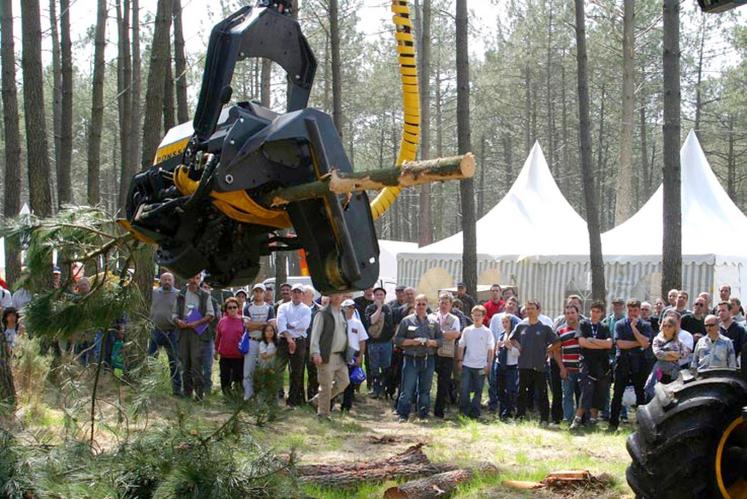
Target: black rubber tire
point(674, 449)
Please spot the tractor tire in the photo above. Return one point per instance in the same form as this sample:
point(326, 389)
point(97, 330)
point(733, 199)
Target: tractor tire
point(674, 448)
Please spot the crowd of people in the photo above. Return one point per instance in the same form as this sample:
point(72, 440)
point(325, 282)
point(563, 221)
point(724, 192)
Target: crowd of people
point(575, 367)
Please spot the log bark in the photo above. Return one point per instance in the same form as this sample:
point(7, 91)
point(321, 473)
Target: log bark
point(65, 165)
point(180, 66)
point(409, 464)
point(412, 173)
point(438, 485)
point(97, 107)
point(624, 198)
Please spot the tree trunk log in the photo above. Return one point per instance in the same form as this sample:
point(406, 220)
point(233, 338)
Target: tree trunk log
point(7, 389)
point(412, 173)
point(438, 485)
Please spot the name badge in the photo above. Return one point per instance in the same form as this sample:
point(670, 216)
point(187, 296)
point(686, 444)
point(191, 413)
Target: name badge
point(412, 328)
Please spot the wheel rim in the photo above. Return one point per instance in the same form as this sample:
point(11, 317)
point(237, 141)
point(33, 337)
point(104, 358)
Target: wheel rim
point(735, 435)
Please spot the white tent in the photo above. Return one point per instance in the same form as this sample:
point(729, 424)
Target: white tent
point(2, 257)
point(388, 251)
point(714, 236)
point(523, 240)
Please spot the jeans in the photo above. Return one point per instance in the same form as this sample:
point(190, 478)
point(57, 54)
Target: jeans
point(444, 369)
point(417, 377)
point(379, 364)
point(250, 365)
point(571, 394)
point(494, 396)
point(531, 378)
point(507, 381)
point(473, 379)
point(207, 365)
point(556, 386)
point(167, 340)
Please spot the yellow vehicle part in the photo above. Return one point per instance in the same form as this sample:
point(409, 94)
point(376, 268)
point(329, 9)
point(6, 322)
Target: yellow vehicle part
point(737, 490)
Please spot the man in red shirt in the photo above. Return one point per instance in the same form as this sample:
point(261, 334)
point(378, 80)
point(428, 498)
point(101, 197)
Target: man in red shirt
point(495, 304)
point(570, 355)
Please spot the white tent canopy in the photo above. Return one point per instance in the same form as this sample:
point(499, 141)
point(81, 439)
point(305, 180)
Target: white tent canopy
point(388, 251)
point(533, 218)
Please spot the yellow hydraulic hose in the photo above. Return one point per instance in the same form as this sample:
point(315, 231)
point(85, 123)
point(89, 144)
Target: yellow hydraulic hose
point(408, 146)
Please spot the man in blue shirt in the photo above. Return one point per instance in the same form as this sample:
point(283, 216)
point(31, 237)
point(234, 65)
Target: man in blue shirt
point(632, 338)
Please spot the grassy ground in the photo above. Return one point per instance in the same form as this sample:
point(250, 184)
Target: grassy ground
point(521, 451)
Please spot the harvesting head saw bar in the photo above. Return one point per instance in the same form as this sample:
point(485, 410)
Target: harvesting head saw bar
point(200, 201)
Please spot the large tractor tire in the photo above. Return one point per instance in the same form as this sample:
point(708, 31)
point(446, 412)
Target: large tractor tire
point(692, 439)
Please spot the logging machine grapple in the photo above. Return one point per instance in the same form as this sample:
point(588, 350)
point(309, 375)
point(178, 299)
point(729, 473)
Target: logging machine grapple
point(201, 201)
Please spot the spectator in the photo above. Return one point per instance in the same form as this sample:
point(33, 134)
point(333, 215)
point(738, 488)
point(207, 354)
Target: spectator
point(268, 347)
point(693, 322)
point(56, 277)
point(668, 350)
point(457, 308)
point(357, 338)
point(647, 314)
point(293, 321)
point(362, 303)
point(20, 298)
point(495, 304)
point(617, 315)
point(163, 334)
point(713, 350)
point(216, 296)
point(285, 296)
point(737, 313)
point(535, 341)
point(266, 379)
point(595, 341)
point(118, 346)
point(450, 329)
point(270, 294)
point(227, 338)
point(380, 334)
point(241, 296)
point(399, 293)
point(557, 412)
point(193, 310)
point(724, 293)
point(658, 308)
point(476, 349)
point(329, 348)
point(733, 331)
point(407, 308)
point(570, 351)
point(506, 372)
point(257, 314)
point(575, 300)
point(632, 337)
point(496, 327)
point(12, 327)
point(419, 337)
point(684, 337)
point(707, 298)
point(672, 298)
point(312, 383)
point(469, 301)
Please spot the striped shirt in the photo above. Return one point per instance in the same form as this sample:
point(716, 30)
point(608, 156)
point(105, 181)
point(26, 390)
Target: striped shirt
point(570, 350)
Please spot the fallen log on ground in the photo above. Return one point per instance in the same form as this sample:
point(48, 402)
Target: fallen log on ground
point(411, 463)
point(439, 485)
point(564, 480)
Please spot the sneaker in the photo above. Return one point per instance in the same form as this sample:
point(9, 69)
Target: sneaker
point(593, 421)
point(576, 424)
point(402, 420)
point(544, 424)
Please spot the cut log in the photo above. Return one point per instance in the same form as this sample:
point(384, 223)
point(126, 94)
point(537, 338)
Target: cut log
point(411, 463)
point(412, 173)
point(439, 485)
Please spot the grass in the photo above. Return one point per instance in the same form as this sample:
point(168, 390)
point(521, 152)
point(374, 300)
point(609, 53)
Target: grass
point(520, 450)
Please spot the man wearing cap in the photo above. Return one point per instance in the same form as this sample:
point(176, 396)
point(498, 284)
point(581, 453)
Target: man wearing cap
point(257, 313)
point(312, 383)
point(399, 300)
point(357, 337)
point(451, 330)
point(380, 333)
point(293, 320)
point(419, 337)
point(241, 296)
point(164, 329)
point(329, 352)
point(468, 301)
point(285, 296)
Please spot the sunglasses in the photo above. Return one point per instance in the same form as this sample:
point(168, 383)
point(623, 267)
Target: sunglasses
point(231, 306)
point(711, 325)
point(699, 304)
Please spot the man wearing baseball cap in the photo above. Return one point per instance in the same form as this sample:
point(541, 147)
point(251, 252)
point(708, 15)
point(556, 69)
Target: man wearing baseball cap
point(468, 301)
point(293, 320)
point(257, 314)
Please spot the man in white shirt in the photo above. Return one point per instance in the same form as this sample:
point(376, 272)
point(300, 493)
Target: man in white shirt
point(450, 327)
point(293, 320)
point(357, 337)
point(476, 349)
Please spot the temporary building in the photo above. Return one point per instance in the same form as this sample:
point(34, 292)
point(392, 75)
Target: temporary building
point(525, 240)
point(388, 251)
point(714, 237)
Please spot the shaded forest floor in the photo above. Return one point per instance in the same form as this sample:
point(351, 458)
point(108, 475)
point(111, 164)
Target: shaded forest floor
point(521, 451)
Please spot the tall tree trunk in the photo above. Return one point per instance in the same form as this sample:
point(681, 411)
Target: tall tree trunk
point(169, 116)
point(12, 138)
point(643, 191)
point(180, 66)
point(265, 95)
point(508, 155)
point(56, 85)
point(33, 104)
point(592, 214)
point(731, 163)
point(426, 225)
point(124, 102)
point(699, 76)
point(624, 199)
point(440, 189)
point(527, 111)
point(154, 96)
point(334, 46)
point(136, 84)
point(481, 188)
point(7, 388)
point(672, 244)
point(97, 106)
point(566, 168)
point(466, 187)
point(548, 90)
point(64, 167)
point(601, 175)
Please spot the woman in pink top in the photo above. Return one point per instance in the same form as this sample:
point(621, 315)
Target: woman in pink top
point(227, 337)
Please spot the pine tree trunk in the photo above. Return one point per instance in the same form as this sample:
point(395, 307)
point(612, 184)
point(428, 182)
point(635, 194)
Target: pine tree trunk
point(334, 46)
point(40, 194)
point(699, 77)
point(64, 167)
point(169, 117)
point(466, 187)
point(265, 95)
point(12, 138)
point(624, 198)
point(440, 189)
point(7, 388)
point(54, 25)
point(550, 151)
point(566, 168)
point(643, 190)
point(426, 225)
point(124, 102)
point(481, 188)
point(731, 163)
point(154, 96)
point(136, 83)
point(592, 214)
point(672, 244)
point(97, 107)
point(527, 111)
point(180, 66)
